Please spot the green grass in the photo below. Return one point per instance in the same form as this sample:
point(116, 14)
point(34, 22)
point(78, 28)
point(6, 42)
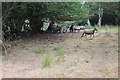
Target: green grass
point(47, 61)
point(60, 53)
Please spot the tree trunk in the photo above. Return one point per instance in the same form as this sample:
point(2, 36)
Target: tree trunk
point(99, 21)
point(100, 16)
point(88, 22)
point(116, 19)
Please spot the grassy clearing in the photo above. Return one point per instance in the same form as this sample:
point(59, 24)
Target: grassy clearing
point(60, 50)
point(47, 61)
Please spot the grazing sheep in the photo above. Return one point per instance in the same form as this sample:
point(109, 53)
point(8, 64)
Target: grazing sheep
point(78, 28)
point(71, 28)
point(64, 28)
point(89, 32)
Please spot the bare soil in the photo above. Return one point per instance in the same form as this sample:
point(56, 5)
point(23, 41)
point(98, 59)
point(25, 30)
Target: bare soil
point(83, 57)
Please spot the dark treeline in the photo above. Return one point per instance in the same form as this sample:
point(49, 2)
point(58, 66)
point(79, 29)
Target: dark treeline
point(21, 19)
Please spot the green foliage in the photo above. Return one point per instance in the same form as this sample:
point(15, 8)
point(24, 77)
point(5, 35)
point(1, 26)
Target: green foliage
point(15, 14)
point(82, 23)
point(47, 61)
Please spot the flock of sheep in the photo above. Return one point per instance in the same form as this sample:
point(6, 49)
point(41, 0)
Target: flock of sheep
point(64, 29)
point(73, 28)
point(67, 28)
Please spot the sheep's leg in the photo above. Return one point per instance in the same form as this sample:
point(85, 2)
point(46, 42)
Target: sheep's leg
point(71, 31)
point(90, 36)
point(85, 35)
point(82, 34)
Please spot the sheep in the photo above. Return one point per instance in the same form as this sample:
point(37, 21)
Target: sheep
point(89, 32)
point(64, 28)
point(78, 28)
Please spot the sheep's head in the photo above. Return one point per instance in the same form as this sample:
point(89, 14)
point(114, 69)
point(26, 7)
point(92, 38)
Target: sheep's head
point(95, 29)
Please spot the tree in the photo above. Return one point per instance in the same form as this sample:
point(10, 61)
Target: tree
point(101, 10)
